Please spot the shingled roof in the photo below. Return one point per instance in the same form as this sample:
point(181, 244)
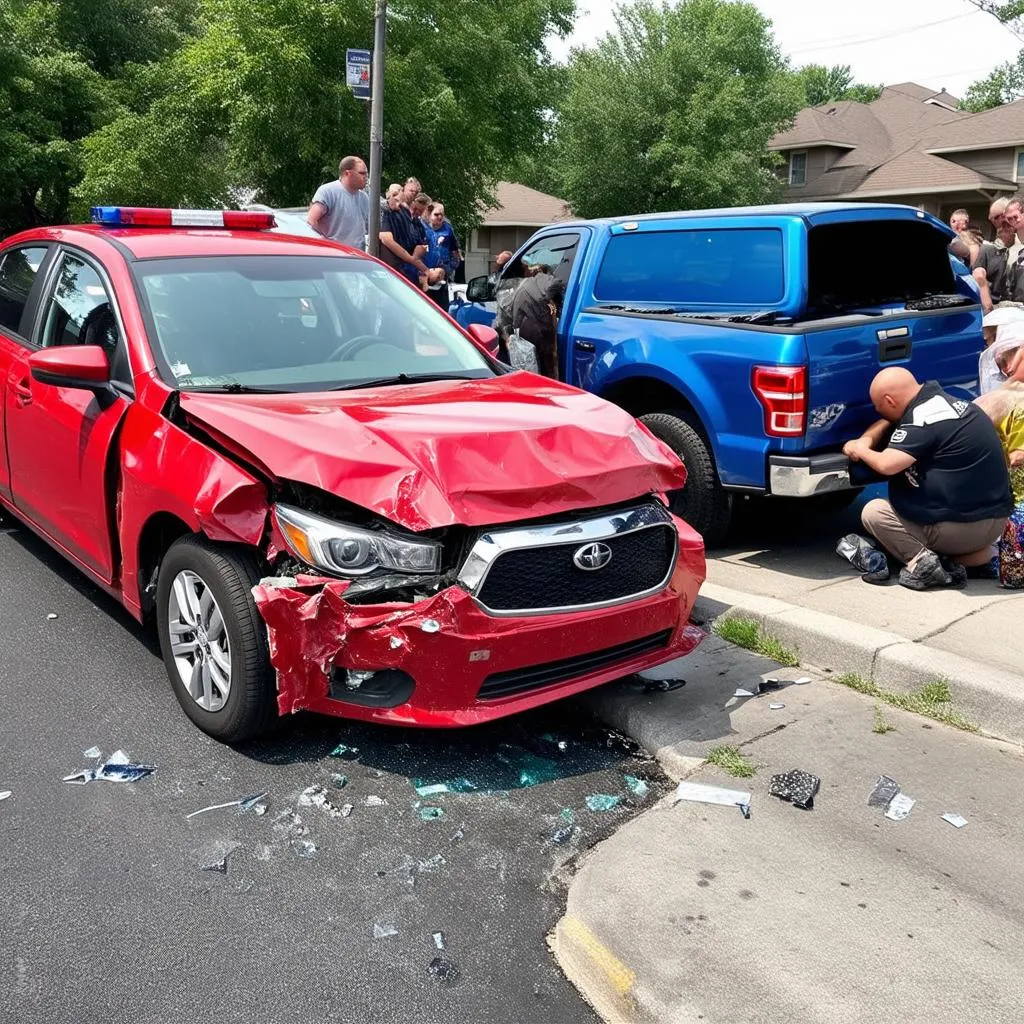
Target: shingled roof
point(892, 144)
point(518, 206)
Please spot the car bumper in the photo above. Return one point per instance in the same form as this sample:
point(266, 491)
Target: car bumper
point(805, 476)
point(449, 648)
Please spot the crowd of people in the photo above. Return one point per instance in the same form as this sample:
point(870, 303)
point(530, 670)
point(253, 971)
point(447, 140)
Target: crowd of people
point(416, 238)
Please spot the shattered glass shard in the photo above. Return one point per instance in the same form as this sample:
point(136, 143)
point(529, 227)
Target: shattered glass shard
point(432, 790)
point(561, 836)
point(431, 813)
point(602, 801)
point(304, 848)
point(339, 781)
point(432, 863)
point(374, 801)
point(344, 751)
point(384, 931)
point(567, 815)
point(4, 794)
point(457, 836)
point(93, 752)
point(438, 938)
point(444, 972)
point(636, 786)
point(430, 626)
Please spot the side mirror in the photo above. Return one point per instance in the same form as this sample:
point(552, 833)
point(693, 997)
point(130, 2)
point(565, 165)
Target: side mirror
point(486, 337)
point(84, 367)
point(479, 289)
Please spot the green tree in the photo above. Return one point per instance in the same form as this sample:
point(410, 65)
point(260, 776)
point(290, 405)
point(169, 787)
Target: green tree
point(257, 100)
point(832, 84)
point(1005, 83)
point(674, 110)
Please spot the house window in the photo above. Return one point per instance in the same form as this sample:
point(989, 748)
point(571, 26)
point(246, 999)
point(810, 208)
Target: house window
point(798, 168)
point(1018, 166)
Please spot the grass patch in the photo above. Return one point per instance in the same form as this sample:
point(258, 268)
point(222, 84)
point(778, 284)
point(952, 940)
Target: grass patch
point(931, 701)
point(882, 725)
point(731, 761)
point(748, 634)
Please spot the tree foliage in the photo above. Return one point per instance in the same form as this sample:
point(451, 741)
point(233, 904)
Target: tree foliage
point(257, 100)
point(1003, 85)
point(674, 111)
point(832, 84)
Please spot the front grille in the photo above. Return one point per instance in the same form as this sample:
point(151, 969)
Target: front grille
point(521, 680)
point(537, 578)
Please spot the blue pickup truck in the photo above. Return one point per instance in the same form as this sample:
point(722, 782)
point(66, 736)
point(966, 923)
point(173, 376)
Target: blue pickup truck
point(746, 339)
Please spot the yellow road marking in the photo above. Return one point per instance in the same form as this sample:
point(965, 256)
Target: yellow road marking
point(621, 977)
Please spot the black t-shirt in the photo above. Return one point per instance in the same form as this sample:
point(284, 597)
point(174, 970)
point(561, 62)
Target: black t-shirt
point(960, 475)
point(407, 231)
point(994, 262)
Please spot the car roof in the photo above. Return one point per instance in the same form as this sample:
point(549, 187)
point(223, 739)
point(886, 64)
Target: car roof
point(155, 243)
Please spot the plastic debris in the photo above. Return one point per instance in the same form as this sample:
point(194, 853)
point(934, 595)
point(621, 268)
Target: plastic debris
point(52, 615)
point(954, 819)
point(430, 626)
point(776, 707)
point(899, 807)
point(395, 643)
point(384, 931)
point(431, 813)
point(374, 801)
point(432, 863)
point(284, 582)
point(343, 750)
point(260, 810)
point(93, 752)
point(4, 794)
point(796, 786)
point(444, 972)
point(885, 789)
point(802, 681)
point(339, 781)
point(697, 792)
point(740, 692)
point(304, 848)
point(602, 801)
point(457, 836)
point(861, 553)
point(438, 938)
point(116, 769)
point(244, 803)
point(767, 685)
point(561, 836)
point(636, 786)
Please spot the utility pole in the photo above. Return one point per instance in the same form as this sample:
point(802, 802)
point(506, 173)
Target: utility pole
point(380, 31)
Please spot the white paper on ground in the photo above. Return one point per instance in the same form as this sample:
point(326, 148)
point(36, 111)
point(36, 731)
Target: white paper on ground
point(954, 819)
point(702, 794)
point(899, 807)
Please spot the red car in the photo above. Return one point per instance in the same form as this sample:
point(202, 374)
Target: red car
point(324, 493)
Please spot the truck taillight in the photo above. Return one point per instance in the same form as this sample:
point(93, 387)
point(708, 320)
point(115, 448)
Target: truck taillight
point(782, 390)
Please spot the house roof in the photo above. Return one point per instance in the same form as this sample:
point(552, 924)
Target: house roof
point(518, 206)
point(891, 144)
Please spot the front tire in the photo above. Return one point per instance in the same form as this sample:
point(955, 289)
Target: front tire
point(213, 641)
point(702, 502)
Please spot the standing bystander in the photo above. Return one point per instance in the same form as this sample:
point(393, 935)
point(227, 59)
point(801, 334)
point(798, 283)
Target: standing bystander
point(340, 209)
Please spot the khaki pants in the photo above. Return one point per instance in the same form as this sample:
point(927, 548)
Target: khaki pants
point(906, 540)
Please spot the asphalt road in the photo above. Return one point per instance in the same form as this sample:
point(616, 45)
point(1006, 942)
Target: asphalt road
point(112, 912)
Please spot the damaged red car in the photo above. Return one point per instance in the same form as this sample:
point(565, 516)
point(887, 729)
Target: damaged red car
point(323, 492)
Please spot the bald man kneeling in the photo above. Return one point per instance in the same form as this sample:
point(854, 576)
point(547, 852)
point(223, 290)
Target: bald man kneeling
point(949, 488)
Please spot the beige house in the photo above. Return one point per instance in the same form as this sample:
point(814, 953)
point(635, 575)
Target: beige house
point(518, 212)
point(912, 146)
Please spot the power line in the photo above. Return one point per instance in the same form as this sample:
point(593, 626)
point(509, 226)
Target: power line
point(840, 44)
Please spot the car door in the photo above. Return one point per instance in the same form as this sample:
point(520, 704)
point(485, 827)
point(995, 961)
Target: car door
point(20, 281)
point(59, 439)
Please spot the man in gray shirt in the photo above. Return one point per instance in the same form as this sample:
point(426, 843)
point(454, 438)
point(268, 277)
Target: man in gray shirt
point(340, 209)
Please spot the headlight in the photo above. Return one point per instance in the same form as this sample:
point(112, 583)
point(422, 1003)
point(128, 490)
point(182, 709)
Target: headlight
point(351, 551)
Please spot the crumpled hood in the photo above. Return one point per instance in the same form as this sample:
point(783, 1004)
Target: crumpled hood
point(430, 455)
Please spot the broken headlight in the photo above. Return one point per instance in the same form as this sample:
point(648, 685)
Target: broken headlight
point(345, 550)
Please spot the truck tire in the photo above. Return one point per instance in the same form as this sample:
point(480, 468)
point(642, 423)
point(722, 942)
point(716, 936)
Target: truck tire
point(703, 502)
point(213, 640)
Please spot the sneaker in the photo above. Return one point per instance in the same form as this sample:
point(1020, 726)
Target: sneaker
point(880, 574)
point(929, 573)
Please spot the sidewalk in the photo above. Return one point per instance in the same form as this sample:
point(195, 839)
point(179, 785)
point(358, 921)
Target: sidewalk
point(787, 576)
point(833, 915)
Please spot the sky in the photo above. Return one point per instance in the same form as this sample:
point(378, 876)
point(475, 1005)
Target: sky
point(937, 43)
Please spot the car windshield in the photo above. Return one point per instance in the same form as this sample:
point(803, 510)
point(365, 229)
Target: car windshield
point(295, 323)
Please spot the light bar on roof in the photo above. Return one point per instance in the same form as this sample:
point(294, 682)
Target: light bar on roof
point(154, 217)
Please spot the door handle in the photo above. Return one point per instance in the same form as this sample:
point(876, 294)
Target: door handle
point(586, 346)
point(22, 392)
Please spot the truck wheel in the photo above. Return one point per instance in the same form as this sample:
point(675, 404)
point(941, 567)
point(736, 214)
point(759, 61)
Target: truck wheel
point(703, 502)
point(213, 641)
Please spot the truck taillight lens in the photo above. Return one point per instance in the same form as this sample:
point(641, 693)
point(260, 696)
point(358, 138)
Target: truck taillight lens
point(782, 390)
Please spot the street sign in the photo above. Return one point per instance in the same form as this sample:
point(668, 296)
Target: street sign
point(357, 72)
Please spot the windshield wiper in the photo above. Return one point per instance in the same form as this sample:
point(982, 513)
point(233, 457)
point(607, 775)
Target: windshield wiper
point(404, 378)
point(234, 388)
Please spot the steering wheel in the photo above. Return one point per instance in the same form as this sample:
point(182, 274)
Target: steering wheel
point(351, 346)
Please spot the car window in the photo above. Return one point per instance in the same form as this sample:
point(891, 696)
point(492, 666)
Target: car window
point(294, 323)
point(79, 310)
point(723, 266)
point(18, 269)
point(557, 253)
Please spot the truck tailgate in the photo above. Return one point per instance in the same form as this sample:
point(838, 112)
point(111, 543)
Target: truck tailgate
point(844, 355)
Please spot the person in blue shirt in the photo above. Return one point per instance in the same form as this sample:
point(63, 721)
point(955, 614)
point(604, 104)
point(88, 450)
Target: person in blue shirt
point(444, 253)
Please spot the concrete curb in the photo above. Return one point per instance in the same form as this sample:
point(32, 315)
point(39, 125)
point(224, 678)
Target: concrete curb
point(987, 695)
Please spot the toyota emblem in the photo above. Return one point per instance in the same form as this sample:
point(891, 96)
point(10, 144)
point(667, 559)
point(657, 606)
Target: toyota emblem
point(591, 557)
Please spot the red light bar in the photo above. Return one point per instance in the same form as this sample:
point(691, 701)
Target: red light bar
point(153, 217)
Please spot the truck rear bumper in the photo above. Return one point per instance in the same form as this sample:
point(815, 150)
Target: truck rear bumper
point(804, 476)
